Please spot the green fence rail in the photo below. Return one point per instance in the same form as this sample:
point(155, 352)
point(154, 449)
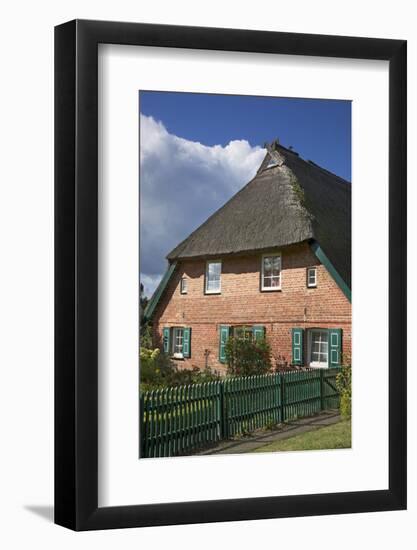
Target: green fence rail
point(178, 420)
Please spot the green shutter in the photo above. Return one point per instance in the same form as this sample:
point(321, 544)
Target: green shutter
point(258, 332)
point(298, 346)
point(335, 347)
point(224, 336)
point(165, 339)
point(186, 343)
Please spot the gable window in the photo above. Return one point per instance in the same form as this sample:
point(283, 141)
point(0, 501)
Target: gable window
point(311, 277)
point(213, 277)
point(271, 272)
point(183, 285)
point(272, 162)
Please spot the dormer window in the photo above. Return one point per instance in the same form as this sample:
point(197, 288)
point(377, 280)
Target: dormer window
point(213, 277)
point(272, 162)
point(183, 285)
point(271, 272)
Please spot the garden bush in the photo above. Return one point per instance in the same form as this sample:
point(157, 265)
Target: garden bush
point(157, 370)
point(344, 386)
point(248, 357)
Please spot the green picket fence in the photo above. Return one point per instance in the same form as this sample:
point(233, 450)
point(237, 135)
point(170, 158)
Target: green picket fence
point(250, 402)
point(177, 420)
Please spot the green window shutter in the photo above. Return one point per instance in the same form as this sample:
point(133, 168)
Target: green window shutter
point(298, 346)
point(258, 332)
point(335, 347)
point(224, 336)
point(186, 343)
point(165, 339)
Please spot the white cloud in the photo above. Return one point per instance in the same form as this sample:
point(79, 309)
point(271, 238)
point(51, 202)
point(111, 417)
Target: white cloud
point(181, 184)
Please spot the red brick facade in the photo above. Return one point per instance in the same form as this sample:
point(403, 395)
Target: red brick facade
point(241, 302)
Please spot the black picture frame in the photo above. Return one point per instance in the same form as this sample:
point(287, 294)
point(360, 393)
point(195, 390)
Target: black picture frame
point(76, 271)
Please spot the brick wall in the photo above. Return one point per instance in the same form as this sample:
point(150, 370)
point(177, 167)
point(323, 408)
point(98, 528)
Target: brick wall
point(242, 303)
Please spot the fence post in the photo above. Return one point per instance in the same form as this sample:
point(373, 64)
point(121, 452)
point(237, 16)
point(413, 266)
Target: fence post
point(282, 390)
point(322, 389)
point(222, 412)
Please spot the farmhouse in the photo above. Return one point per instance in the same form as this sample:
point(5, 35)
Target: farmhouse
point(274, 262)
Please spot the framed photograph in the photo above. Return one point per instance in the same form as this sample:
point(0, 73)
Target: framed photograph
point(230, 275)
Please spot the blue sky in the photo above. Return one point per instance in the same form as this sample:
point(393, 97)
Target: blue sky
point(197, 150)
point(319, 130)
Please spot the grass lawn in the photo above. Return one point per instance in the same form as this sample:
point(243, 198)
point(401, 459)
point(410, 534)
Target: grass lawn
point(336, 436)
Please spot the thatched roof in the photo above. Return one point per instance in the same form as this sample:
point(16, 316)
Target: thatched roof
point(289, 201)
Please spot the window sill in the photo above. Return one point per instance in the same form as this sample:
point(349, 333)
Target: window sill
point(177, 356)
point(318, 366)
point(271, 289)
point(214, 293)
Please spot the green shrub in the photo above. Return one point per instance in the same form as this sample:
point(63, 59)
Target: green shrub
point(155, 367)
point(157, 370)
point(146, 336)
point(344, 386)
point(248, 357)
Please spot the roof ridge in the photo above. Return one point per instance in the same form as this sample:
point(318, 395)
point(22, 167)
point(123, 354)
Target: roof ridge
point(309, 162)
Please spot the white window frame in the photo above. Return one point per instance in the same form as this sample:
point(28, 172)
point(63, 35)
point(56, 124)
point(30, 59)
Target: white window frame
point(219, 290)
point(317, 364)
point(314, 270)
point(177, 355)
point(182, 289)
point(271, 288)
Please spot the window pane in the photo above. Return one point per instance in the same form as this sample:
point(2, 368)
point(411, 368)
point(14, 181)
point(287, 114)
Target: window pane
point(271, 282)
point(213, 285)
point(311, 276)
point(276, 281)
point(267, 267)
point(271, 272)
point(319, 346)
point(276, 265)
point(213, 276)
point(272, 265)
point(178, 338)
point(214, 269)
